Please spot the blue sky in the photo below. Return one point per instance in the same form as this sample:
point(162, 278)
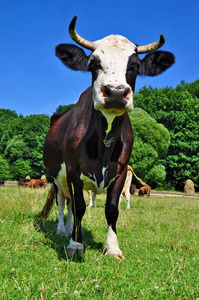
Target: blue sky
point(34, 81)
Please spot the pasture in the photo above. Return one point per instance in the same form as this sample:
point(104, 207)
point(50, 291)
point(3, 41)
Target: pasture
point(159, 239)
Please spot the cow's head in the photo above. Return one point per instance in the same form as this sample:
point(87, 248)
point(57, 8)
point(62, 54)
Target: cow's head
point(114, 65)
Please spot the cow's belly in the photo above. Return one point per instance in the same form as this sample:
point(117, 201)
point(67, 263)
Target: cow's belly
point(89, 182)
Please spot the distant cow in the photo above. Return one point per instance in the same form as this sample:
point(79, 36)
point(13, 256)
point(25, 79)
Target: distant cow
point(89, 146)
point(144, 190)
point(132, 189)
point(35, 183)
point(2, 182)
point(91, 197)
point(23, 181)
point(128, 189)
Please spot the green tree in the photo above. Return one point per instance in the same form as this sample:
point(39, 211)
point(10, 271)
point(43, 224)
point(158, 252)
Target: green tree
point(6, 116)
point(5, 173)
point(151, 143)
point(23, 141)
point(63, 108)
point(178, 110)
point(21, 168)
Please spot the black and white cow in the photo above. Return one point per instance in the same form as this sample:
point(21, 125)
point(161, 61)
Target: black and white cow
point(88, 147)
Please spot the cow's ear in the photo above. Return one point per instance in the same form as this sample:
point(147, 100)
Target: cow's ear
point(72, 56)
point(155, 63)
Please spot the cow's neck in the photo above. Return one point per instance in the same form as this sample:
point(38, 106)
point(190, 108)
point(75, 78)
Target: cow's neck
point(110, 135)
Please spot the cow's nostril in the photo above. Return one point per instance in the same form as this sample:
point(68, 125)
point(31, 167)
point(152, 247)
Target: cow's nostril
point(127, 93)
point(116, 91)
point(106, 91)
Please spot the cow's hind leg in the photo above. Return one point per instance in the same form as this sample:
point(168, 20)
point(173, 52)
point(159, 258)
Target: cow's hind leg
point(69, 223)
point(61, 230)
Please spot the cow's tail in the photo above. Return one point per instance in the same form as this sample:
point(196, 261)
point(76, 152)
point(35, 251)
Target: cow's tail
point(49, 203)
point(139, 179)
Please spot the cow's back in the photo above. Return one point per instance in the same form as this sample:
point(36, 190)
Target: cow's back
point(66, 128)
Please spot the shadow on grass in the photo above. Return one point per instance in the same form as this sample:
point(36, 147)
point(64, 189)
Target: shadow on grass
point(59, 244)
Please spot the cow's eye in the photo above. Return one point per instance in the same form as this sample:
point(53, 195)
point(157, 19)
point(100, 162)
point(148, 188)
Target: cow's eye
point(94, 64)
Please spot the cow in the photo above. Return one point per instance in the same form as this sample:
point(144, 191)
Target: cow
point(132, 189)
point(91, 197)
point(144, 190)
point(21, 182)
point(128, 189)
point(36, 183)
point(2, 182)
point(89, 146)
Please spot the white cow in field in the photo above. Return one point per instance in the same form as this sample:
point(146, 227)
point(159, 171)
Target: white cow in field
point(91, 197)
point(128, 188)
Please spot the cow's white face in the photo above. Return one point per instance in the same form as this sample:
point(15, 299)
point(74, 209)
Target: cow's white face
point(108, 64)
point(114, 65)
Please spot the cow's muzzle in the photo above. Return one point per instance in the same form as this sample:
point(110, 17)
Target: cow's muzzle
point(116, 96)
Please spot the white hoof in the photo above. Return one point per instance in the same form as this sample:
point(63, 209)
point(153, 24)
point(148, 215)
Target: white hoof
point(61, 232)
point(74, 247)
point(115, 252)
point(69, 231)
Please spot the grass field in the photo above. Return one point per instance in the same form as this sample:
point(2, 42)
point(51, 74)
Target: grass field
point(159, 238)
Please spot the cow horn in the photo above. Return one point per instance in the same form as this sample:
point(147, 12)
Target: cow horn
point(77, 38)
point(151, 47)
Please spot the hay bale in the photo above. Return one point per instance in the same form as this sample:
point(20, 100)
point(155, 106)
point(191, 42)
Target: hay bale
point(189, 187)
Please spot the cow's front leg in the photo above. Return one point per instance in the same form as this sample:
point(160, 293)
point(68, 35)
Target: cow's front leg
point(79, 208)
point(112, 213)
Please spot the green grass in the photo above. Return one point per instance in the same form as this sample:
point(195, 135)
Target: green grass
point(159, 238)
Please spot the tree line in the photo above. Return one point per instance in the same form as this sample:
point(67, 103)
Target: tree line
point(166, 130)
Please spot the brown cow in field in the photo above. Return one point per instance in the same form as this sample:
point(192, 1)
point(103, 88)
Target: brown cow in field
point(36, 183)
point(144, 190)
point(23, 181)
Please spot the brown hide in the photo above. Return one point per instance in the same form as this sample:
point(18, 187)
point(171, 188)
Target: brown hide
point(144, 190)
point(35, 183)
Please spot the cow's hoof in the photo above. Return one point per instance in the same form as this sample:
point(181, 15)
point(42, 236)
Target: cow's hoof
point(62, 233)
point(68, 233)
point(71, 252)
point(116, 253)
point(74, 247)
